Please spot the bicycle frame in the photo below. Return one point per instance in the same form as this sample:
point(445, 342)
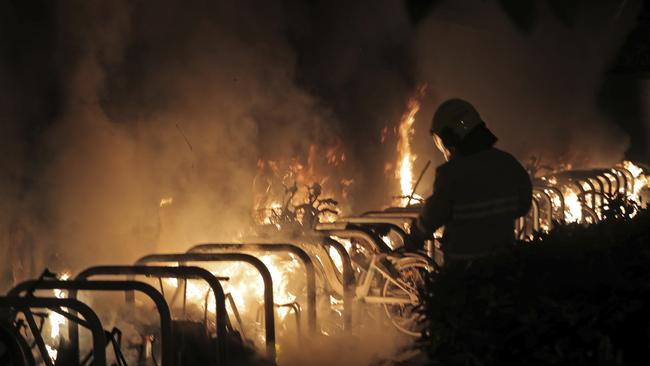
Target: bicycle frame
point(363, 290)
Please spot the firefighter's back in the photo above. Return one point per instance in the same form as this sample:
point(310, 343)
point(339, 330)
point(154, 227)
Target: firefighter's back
point(489, 190)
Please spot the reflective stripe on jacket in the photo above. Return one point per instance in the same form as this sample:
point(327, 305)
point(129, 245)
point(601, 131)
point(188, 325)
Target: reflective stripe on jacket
point(477, 198)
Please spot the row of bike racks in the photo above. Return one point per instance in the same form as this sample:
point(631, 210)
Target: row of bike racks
point(184, 272)
point(90, 321)
point(151, 292)
point(310, 276)
point(212, 252)
point(594, 188)
point(269, 316)
point(296, 248)
point(357, 232)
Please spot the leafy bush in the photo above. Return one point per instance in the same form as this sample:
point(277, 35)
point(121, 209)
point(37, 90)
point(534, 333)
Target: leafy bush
point(576, 296)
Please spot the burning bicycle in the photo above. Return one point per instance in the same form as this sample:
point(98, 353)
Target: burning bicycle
point(382, 276)
point(367, 265)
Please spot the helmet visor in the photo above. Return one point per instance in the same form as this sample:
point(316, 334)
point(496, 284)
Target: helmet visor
point(441, 146)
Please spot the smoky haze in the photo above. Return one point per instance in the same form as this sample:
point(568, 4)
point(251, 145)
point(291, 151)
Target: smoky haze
point(538, 91)
point(157, 99)
point(109, 107)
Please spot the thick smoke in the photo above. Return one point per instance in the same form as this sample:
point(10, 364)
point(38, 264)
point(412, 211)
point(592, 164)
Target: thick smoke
point(157, 100)
point(358, 56)
point(537, 92)
point(109, 107)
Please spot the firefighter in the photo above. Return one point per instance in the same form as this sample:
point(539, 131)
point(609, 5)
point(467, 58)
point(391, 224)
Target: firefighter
point(478, 193)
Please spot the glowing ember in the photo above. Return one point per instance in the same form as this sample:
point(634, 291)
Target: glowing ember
point(166, 201)
point(405, 159)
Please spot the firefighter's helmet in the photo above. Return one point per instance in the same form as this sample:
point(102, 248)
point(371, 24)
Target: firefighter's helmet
point(454, 120)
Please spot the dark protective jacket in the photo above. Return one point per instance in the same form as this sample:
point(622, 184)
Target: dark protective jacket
point(477, 197)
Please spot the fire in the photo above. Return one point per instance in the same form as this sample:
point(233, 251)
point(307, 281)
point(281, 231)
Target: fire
point(572, 205)
point(576, 203)
point(52, 352)
point(406, 158)
point(167, 201)
point(246, 286)
point(57, 321)
point(640, 181)
point(287, 183)
point(632, 168)
point(334, 254)
point(268, 215)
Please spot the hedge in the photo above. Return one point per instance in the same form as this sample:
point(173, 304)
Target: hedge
point(575, 296)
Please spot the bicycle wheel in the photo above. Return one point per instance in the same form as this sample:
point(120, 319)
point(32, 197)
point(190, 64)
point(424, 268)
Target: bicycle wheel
point(412, 272)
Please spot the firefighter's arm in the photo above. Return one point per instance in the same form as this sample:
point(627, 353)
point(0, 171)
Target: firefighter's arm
point(437, 208)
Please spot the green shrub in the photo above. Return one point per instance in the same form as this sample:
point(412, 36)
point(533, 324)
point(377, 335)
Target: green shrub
point(576, 296)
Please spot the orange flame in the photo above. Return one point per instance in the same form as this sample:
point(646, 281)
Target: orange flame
point(406, 158)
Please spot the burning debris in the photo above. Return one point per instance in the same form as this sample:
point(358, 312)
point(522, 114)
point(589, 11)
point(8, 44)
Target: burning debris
point(289, 192)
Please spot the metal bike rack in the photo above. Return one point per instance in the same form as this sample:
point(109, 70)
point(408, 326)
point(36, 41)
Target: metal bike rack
point(622, 181)
point(590, 212)
point(91, 321)
point(347, 280)
point(396, 224)
point(592, 191)
point(375, 244)
point(151, 292)
point(349, 283)
point(549, 202)
point(623, 186)
point(413, 215)
point(601, 186)
point(582, 197)
point(268, 247)
point(600, 190)
point(579, 186)
point(185, 272)
point(407, 219)
point(558, 192)
point(532, 216)
point(295, 307)
point(535, 211)
point(269, 315)
point(607, 184)
point(405, 210)
point(629, 178)
point(614, 190)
